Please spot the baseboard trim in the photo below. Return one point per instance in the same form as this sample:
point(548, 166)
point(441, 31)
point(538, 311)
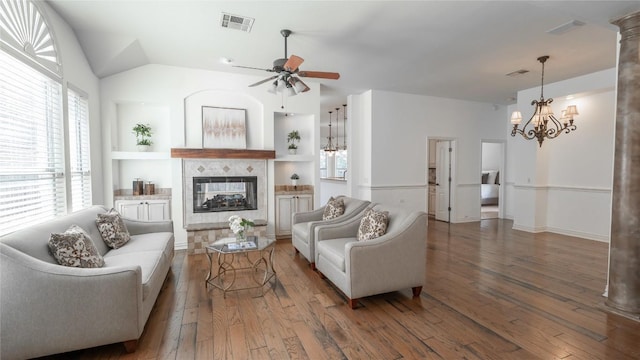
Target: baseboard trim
point(580, 234)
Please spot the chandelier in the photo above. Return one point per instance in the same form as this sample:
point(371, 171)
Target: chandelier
point(543, 123)
point(330, 149)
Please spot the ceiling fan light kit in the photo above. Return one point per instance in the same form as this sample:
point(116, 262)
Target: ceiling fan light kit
point(544, 123)
point(287, 80)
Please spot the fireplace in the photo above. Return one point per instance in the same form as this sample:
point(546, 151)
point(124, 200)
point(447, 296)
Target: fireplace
point(224, 193)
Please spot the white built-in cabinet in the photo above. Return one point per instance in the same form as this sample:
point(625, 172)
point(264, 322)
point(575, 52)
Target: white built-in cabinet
point(286, 205)
point(144, 210)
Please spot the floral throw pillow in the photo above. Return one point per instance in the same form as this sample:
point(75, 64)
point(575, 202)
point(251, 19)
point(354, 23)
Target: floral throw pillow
point(112, 229)
point(373, 225)
point(74, 248)
point(334, 208)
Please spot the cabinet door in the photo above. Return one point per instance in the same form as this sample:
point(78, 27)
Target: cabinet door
point(132, 209)
point(284, 209)
point(157, 210)
point(304, 203)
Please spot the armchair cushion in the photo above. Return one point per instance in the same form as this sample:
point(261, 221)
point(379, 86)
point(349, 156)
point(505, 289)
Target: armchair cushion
point(74, 248)
point(333, 251)
point(334, 208)
point(112, 229)
point(373, 224)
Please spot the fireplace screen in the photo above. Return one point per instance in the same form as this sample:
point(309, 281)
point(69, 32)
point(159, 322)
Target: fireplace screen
point(225, 193)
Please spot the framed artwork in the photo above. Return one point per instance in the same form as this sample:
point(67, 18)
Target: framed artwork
point(224, 128)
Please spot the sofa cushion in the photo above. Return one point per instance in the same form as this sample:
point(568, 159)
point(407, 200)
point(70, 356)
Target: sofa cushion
point(334, 251)
point(113, 230)
point(148, 262)
point(301, 231)
point(373, 224)
point(333, 209)
point(74, 248)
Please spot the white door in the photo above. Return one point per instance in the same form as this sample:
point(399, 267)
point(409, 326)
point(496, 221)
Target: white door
point(158, 210)
point(284, 209)
point(443, 180)
point(304, 203)
point(130, 209)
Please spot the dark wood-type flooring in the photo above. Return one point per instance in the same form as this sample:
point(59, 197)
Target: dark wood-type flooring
point(490, 293)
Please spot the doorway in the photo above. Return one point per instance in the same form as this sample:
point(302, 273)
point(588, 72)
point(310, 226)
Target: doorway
point(441, 178)
point(492, 179)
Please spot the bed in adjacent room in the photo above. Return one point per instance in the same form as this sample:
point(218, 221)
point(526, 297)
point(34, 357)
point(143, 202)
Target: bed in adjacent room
point(490, 187)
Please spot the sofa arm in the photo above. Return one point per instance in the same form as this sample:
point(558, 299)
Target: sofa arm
point(390, 262)
point(307, 216)
point(344, 229)
point(65, 308)
point(137, 227)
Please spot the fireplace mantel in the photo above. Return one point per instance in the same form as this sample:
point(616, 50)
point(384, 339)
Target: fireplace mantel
point(222, 154)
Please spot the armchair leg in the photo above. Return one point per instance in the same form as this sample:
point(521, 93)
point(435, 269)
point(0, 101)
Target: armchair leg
point(416, 291)
point(130, 346)
point(353, 303)
point(313, 266)
point(296, 250)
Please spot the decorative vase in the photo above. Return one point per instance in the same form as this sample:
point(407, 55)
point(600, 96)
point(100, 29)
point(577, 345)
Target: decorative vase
point(293, 151)
point(143, 148)
point(294, 182)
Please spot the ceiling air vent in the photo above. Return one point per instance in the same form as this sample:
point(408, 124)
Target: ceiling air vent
point(518, 73)
point(236, 22)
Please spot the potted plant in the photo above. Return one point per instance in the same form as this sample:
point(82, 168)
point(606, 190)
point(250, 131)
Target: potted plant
point(143, 136)
point(294, 179)
point(292, 138)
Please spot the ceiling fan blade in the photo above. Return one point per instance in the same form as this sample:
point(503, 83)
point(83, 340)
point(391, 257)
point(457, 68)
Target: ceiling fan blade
point(293, 63)
point(319, 74)
point(264, 81)
point(252, 68)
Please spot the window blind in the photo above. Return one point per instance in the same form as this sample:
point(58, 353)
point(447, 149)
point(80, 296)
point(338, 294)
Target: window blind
point(79, 155)
point(32, 184)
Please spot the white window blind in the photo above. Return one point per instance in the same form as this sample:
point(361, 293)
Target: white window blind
point(32, 184)
point(79, 156)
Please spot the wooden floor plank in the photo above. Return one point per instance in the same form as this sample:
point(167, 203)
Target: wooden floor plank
point(490, 292)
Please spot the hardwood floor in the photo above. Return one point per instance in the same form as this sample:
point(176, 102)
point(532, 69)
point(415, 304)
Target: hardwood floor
point(490, 293)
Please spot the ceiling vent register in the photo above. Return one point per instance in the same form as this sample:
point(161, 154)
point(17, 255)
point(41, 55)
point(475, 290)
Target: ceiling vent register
point(236, 22)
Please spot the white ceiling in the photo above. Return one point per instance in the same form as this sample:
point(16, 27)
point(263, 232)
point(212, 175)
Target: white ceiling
point(453, 49)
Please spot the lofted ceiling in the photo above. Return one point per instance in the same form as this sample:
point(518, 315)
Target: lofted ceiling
point(453, 49)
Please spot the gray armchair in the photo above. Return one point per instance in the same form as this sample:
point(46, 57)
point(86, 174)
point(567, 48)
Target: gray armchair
point(391, 262)
point(305, 223)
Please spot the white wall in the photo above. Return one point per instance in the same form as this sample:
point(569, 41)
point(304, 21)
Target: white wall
point(491, 153)
point(565, 185)
point(393, 165)
point(76, 71)
point(183, 91)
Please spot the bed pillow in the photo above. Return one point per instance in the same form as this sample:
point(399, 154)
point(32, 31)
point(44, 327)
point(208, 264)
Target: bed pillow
point(74, 248)
point(492, 176)
point(485, 177)
point(112, 229)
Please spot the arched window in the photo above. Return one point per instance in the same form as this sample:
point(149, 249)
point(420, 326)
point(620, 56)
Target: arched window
point(25, 31)
point(44, 151)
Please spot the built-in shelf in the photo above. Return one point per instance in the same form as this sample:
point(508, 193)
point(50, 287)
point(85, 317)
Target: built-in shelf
point(140, 155)
point(295, 158)
point(222, 153)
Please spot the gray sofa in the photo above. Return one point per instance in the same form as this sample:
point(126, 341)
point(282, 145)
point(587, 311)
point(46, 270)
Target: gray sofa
point(391, 262)
point(305, 223)
point(47, 308)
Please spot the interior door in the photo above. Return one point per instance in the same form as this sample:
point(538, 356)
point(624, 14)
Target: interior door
point(443, 180)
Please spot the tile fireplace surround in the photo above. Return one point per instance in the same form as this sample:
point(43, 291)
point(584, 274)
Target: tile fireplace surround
point(212, 224)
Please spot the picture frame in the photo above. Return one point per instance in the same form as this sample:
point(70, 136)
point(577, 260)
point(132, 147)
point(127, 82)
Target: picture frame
point(224, 128)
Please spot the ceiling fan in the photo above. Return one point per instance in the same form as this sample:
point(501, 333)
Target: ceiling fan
point(286, 70)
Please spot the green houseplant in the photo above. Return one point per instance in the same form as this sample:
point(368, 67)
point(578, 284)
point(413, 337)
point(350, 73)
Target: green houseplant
point(294, 179)
point(292, 138)
point(143, 136)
